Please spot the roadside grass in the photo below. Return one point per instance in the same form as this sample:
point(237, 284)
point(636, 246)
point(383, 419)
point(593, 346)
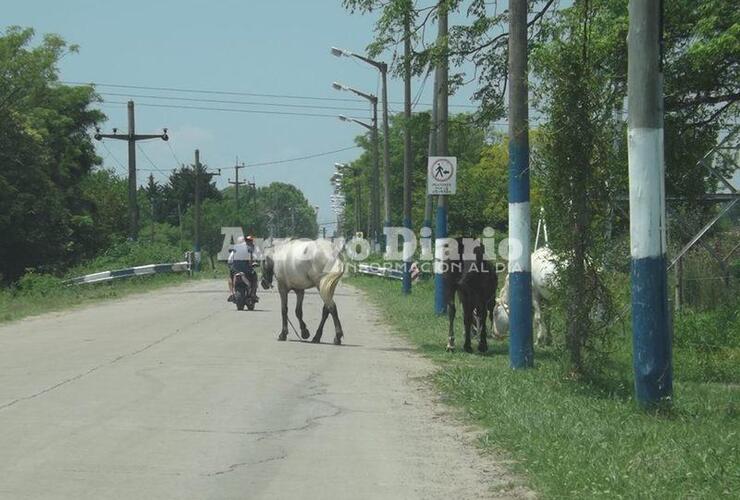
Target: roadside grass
point(578, 439)
point(17, 303)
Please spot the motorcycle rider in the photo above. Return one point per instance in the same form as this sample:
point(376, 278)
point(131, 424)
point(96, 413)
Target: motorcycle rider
point(230, 263)
point(242, 260)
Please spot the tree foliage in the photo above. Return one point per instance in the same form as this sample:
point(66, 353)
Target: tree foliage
point(481, 176)
point(45, 152)
point(577, 161)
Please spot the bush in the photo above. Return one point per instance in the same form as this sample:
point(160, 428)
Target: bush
point(33, 283)
point(709, 330)
point(129, 254)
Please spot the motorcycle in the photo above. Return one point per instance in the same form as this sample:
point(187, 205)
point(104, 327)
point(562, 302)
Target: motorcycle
point(243, 295)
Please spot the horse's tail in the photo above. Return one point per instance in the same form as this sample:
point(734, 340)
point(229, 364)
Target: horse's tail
point(330, 280)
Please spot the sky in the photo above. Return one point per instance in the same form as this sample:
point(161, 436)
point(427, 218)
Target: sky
point(246, 47)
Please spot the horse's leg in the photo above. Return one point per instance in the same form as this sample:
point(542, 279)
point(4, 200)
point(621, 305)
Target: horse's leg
point(337, 325)
point(324, 314)
point(483, 314)
point(299, 313)
point(451, 316)
point(467, 320)
point(283, 291)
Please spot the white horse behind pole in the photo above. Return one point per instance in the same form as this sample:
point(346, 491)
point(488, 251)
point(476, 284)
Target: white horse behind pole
point(543, 280)
point(298, 265)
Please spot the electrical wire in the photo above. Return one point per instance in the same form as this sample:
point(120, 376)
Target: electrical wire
point(156, 168)
point(111, 155)
point(221, 101)
point(177, 160)
point(202, 91)
point(307, 157)
point(287, 160)
point(236, 93)
point(231, 110)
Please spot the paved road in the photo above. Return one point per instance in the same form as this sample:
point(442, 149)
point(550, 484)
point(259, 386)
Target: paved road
point(177, 395)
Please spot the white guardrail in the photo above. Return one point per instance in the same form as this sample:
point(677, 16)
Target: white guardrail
point(386, 272)
point(176, 267)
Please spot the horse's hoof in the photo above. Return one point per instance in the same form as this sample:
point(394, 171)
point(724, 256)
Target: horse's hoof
point(450, 348)
point(467, 348)
point(482, 347)
point(316, 340)
point(337, 340)
point(282, 337)
point(305, 334)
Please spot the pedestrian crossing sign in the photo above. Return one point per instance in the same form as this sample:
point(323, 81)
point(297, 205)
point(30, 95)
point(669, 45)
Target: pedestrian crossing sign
point(442, 175)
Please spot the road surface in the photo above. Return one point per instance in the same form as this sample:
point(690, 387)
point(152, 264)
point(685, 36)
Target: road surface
point(175, 394)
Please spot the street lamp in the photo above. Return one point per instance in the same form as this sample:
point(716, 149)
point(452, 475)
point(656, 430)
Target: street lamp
point(374, 228)
point(356, 174)
point(383, 68)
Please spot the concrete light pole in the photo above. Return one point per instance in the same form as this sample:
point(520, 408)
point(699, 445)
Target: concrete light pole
point(651, 336)
point(521, 351)
point(383, 68)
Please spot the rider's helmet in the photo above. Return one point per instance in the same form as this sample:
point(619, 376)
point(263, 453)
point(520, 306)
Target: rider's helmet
point(249, 239)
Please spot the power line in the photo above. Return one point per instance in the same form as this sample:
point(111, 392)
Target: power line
point(177, 160)
point(249, 94)
point(156, 168)
point(277, 162)
point(232, 110)
point(221, 101)
point(111, 155)
point(202, 91)
point(307, 157)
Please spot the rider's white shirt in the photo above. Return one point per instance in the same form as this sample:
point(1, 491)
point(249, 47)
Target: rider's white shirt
point(242, 251)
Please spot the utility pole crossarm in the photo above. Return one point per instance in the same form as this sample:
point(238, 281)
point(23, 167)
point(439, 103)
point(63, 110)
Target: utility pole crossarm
point(131, 138)
point(135, 137)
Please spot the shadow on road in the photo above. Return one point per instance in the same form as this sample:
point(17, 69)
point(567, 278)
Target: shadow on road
point(329, 344)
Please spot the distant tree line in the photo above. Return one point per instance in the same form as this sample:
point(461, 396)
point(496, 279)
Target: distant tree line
point(59, 208)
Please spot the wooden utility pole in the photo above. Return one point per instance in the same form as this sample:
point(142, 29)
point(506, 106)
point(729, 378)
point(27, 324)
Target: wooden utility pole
point(197, 211)
point(179, 221)
point(651, 336)
point(253, 187)
point(407, 159)
point(199, 170)
point(152, 188)
point(236, 183)
point(521, 351)
point(131, 138)
point(442, 85)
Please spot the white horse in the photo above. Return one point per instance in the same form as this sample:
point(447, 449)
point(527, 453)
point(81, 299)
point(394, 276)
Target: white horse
point(298, 265)
point(543, 280)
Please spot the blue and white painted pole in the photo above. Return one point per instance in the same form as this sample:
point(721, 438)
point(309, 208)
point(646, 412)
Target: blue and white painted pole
point(521, 352)
point(440, 306)
point(651, 336)
point(442, 88)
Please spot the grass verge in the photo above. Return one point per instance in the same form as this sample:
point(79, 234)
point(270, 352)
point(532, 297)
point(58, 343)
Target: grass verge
point(574, 439)
point(18, 304)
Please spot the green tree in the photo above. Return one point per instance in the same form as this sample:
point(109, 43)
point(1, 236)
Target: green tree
point(180, 191)
point(45, 152)
point(467, 141)
point(106, 197)
point(283, 211)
